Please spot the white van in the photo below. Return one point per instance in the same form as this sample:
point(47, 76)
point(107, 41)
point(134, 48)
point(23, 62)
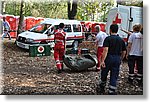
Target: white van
point(125, 17)
point(42, 33)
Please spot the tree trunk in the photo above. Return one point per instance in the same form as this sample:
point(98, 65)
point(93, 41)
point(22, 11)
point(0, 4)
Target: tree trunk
point(121, 2)
point(72, 9)
point(21, 19)
point(3, 7)
point(104, 17)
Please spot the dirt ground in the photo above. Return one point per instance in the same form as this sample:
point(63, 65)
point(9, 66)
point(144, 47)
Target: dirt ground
point(23, 75)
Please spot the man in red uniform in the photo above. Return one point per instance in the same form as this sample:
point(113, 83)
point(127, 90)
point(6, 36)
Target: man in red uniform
point(59, 48)
point(100, 37)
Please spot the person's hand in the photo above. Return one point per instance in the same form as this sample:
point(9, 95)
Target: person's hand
point(121, 28)
point(103, 64)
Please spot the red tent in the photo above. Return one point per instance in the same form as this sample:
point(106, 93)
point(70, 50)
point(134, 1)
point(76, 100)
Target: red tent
point(29, 22)
point(13, 22)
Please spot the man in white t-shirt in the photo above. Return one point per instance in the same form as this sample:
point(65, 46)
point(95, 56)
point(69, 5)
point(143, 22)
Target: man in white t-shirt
point(99, 44)
point(135, 54)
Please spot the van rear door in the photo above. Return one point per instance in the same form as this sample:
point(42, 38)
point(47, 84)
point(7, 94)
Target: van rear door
point(111, 16)
point(124, 12)
point(137, 15)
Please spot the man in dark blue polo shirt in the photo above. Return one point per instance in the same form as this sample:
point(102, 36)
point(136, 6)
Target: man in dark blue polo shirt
point(114, 52)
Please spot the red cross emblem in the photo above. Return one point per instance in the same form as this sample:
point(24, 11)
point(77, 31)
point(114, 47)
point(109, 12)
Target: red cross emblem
point(40, 49)
point(117, 20)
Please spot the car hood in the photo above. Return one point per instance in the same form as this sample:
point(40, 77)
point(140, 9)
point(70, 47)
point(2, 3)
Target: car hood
point(33, 35)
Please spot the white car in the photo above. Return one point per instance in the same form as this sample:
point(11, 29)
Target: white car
point(42, 33)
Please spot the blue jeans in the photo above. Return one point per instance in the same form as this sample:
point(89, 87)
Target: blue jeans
point(5, 33)
point(112, 63)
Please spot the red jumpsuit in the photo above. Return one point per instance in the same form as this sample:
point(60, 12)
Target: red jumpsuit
point(59, 48)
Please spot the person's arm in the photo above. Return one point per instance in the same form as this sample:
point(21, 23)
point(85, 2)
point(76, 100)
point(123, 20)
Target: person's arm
point(123, 55)
point(128, 49)
point(7, 26)
point(105, 51)
point(96, 41)
point(123, 50)
point(65, 42)
point(129, 33)
point(130, 40)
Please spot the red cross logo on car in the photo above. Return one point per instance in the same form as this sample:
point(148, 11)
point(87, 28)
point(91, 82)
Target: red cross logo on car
point(117, 20)
point(40, 49)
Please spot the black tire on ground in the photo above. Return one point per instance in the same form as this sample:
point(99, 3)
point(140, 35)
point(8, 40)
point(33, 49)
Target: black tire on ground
point(79, 64)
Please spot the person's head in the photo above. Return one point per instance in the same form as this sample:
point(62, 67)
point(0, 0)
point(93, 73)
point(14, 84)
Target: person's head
point(61, 25)
point(4, 18)
point(97, 28)
point(47, 25)
point(113, 28)
point(137, 28)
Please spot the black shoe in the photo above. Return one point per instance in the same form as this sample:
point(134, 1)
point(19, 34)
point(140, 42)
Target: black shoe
point(114, 93)
point(62, 68)
point(97, 70)
point(140, 82)
point(59, 71)
point(102, 89)
point(130, 81)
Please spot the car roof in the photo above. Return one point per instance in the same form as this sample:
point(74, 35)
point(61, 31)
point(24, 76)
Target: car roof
point(58, 21)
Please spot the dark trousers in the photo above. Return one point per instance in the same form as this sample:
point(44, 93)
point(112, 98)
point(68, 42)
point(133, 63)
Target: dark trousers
point(138, 60)
point(112, 63)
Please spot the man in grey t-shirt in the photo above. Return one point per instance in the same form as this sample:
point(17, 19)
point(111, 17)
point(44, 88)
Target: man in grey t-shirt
point(135, 54)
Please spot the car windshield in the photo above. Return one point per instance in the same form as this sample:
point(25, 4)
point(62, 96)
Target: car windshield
point(40, 28)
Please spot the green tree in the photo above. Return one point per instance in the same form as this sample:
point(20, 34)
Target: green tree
point(46, 9)
point(94, 10)
point(105, 7)
point(130, 2)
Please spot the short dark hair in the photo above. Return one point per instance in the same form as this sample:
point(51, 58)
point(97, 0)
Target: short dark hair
point(61, 25)
point(114, 28)
point(4, 18)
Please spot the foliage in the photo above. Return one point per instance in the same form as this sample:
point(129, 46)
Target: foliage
point(12, 8)
point(138, 3)
point(92, 10)
point(38, 9)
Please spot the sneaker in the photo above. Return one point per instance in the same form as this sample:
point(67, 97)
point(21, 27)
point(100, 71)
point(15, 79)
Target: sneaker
point(102, 89)
point(130, 81)
point(59, 71)
point(98, 69)
point(62, 67)
point(114, 93)
point(140, 82)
